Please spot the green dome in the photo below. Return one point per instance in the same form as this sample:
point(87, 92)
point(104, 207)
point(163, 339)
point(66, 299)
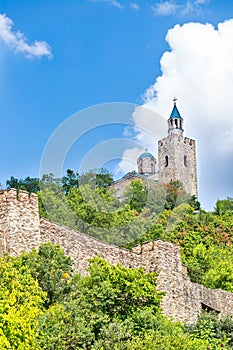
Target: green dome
point(146, 155)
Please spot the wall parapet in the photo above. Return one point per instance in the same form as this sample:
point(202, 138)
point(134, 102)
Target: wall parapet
point(13, 194)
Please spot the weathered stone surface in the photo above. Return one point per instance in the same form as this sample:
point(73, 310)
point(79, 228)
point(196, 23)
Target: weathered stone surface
point(19, 225)
point(180, 163)
point(120, 185)
point(81, 247)
point(21, 229)
point(146, 163)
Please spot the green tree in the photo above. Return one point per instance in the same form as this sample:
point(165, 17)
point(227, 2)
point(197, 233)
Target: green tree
point(51, 268)
point(223, 206)
point(177, 340)
point(103, 178)
point(54, 205)
point(218, 332)
point(28, 184)
point(156, 199)
point(70, 180)
point(219, 274)
point(122, 290)
point(99, 211)
point(107, 296)
point(66, 326)
point(21, 302)
point(97, 178)
point(136, 194)
point(175, 194)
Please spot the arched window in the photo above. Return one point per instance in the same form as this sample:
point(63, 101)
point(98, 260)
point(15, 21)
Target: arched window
point(176, 123)
point(185, 160)
point(166, 161)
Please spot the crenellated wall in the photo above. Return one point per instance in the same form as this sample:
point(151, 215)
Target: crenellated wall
point(21, 229)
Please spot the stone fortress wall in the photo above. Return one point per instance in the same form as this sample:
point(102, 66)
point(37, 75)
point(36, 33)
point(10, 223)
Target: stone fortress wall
point(21, 229)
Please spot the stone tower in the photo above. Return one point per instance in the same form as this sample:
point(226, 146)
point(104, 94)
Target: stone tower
point(177, 155)
point(146, 163)
point(19, 221)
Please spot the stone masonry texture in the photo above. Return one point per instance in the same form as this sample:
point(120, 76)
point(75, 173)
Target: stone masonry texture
point(21, 229)
point(181, 158)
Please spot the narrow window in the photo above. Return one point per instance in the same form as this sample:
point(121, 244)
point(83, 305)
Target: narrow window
point(185, 160)
point(176, 123)
point(166, 161)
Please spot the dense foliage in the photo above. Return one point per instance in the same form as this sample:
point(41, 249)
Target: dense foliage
point(111, 308)
point(146, 212)
point(44, 305)
point(21, 303)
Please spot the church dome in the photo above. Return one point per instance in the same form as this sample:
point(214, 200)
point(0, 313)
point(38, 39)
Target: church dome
point(146, 155)
point(146, 163)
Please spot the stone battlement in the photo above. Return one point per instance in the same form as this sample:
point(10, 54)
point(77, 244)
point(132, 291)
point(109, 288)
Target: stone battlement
point(189, 141)
point(185, 139)
point(22, 229)
point(21, 196)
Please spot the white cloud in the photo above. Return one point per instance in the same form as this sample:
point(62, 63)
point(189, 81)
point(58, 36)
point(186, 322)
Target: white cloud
point(18, 41)
point(134, 6)
point(188, 7)
point(198, 70)
point(128, 161)
point(109, 2)
point(169, 7)
point(202, 2)
point(165, 8)
point(149, 127)
point(128, 131)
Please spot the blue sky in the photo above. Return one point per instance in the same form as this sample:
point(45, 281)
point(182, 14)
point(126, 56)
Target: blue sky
point(93, 52)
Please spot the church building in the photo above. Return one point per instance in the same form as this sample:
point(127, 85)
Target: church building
point(176, 159)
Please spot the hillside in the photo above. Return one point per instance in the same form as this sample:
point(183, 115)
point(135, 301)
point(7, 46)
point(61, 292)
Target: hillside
point(86, 204)
point(114, 306)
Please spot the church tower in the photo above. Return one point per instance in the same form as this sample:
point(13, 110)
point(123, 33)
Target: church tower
point(177, 155)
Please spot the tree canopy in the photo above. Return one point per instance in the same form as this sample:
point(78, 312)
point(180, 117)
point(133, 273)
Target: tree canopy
point(113, 307)
point(45, 305)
